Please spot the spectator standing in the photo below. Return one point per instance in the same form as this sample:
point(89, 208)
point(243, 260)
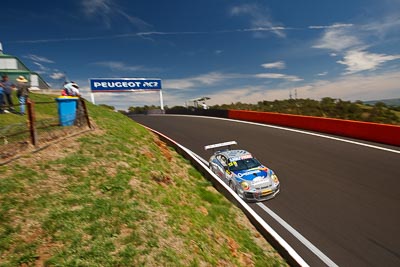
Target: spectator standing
point(71, 89)
point(1, 98)
point(7, 87)
point(22, 92)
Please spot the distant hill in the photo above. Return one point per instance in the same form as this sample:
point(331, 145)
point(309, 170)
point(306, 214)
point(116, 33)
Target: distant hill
point(388, 102)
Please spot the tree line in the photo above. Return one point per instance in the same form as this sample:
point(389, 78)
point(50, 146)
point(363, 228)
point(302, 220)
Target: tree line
point(326, 107)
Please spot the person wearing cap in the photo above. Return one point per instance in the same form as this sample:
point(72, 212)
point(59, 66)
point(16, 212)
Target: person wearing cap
point(7, 87)
point(22, 92)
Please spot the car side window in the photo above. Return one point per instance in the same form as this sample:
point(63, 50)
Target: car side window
point(218, 157)
point(220, 160)
point(224, 161)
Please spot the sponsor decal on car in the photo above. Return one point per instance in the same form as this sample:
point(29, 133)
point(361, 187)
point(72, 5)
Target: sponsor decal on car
point(258, 178)
point(251, 174)
point(246, 173)
point(246, 157)
point(266, 192)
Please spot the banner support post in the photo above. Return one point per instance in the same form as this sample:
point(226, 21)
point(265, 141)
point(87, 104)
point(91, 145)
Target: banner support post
point(161, 100)
point(92, 97)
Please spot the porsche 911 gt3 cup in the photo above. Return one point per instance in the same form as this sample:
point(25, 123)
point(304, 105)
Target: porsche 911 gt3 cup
point(251, 180)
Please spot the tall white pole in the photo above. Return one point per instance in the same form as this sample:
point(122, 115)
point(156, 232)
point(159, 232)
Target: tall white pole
point(92, 97)
point(161, 100)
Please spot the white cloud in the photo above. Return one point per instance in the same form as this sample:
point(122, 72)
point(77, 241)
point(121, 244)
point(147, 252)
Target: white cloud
point(197, 81)
point(139, 23)
point(322, 73)
point(274, 65)
point(355, 87)
point(118, 66)
point(259, 19)
point(290, 78)
point(57, 75)
point(337, 39)
point(333, 26)
point(99, 8)
point(94, 6)
point(215, 78)
point(386, 24)
point(352, 42)
point(38, 58)
point(42, 68)
point(260, 29)
point(108, 10)
point(351, 87)
point(357, 60)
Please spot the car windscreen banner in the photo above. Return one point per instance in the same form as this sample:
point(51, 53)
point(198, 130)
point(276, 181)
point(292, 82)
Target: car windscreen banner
point(124, 85)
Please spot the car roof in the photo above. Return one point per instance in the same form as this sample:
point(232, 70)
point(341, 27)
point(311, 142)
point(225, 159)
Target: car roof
point(234, 154)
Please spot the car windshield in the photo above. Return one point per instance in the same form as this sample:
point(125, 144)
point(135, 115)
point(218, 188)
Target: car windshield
point(243, 164)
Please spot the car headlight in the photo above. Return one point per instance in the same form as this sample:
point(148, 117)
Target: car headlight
point(245, 185)
point(275, 178)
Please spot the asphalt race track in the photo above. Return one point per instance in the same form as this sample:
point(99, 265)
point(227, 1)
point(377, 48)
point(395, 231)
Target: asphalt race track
point(342, 197)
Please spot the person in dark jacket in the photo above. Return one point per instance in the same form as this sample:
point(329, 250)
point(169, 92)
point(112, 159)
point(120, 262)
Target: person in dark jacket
point(22, 92)
point(1, 98)
point(7, 86)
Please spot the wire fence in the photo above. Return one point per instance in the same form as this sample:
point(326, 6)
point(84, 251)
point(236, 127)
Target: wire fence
point(41, 127)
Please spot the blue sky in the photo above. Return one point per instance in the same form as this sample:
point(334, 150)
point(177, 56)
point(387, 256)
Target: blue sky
point(228, 50)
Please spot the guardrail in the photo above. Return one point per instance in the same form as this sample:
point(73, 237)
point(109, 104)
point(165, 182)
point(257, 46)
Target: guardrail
point(381, 133)
point(284, 249)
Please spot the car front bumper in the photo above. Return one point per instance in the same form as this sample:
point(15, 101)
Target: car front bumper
point(261, 195)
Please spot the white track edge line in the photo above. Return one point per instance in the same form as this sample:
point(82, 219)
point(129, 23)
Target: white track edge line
point(266, 226)
point(299, 236)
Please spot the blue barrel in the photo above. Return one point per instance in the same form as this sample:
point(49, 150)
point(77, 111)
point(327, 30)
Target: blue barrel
point(67, 109)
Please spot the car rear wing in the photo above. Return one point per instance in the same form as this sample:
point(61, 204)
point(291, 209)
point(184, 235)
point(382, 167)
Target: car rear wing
point(225, 144)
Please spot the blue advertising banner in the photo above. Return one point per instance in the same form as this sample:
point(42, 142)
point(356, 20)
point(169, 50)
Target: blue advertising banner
point(124, 84)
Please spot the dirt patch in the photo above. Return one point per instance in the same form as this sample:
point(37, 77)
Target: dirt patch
point(161, 178)
point(163, 147)
point(203, 210)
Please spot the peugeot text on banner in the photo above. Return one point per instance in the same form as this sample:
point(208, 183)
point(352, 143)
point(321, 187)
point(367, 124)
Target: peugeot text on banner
point(124, 84)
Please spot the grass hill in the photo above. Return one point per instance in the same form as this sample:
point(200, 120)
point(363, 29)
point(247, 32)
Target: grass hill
point(118, 196)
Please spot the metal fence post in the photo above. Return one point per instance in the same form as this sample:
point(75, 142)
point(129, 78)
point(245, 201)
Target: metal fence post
point(86, 112)
point(31, 121)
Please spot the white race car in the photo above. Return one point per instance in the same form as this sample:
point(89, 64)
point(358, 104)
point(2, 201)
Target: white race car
point(251, 180)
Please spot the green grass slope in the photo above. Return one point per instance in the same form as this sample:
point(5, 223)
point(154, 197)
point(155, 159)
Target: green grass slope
point(43, 111)
point(119, 197)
